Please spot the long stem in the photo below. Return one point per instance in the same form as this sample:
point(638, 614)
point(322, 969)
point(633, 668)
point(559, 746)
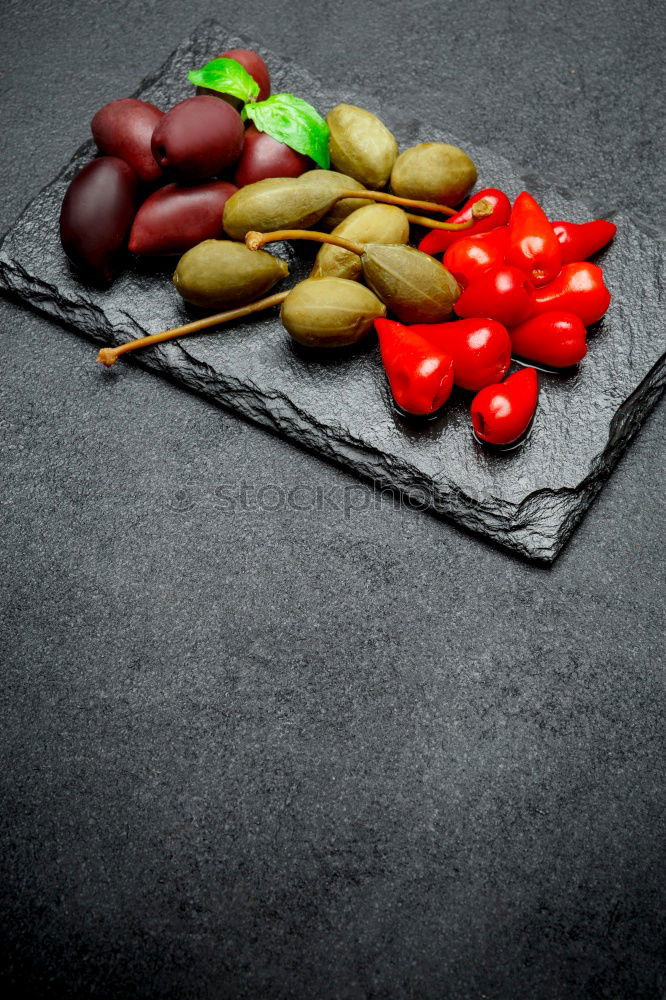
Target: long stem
point(394, 199)
point(480, 210)
point(451, 227)
point(109, 355)
point(255, 241)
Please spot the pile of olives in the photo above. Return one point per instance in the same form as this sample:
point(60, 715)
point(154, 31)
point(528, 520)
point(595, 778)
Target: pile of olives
point(368, 239)
point(161, 182)
point(200, 182)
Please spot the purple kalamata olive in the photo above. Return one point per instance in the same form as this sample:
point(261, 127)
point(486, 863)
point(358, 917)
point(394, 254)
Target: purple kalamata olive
point(96, 216)
point(255, 66)
point(263, 156)
point(125, 128)
point(198, 138)
point(176, 218)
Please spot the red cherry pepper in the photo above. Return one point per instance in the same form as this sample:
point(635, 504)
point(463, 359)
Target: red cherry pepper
point(578, 288)
point(553, 338)
point(420, 374)
point(439, 239)
point(480, 348)
point(533, 245)
point(578, 241)
point(502, 293)
point(502, 413)
point(467, 258)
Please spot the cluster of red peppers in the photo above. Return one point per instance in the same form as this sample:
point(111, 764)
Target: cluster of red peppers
point(527, 291)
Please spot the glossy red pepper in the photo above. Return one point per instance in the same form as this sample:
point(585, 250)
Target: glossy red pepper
point(502, 293)
point(553, 338)
point(533, 245)
point(578, 241)
point(419, 373)
point(467, 258)
point(502, 413)
point(439, 239)
point(480, 348)
point(578, 288)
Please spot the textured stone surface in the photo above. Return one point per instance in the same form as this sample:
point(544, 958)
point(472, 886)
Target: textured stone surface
point(528, 500)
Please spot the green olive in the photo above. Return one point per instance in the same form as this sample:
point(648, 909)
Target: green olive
point(276, 203)
point(375, 223)
point(330, 312)
point(217, 274)
point(335, 182)
point(361, 145)
point(434, 171)
point(415, 286)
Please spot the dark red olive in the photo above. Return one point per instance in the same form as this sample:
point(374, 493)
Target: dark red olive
point(264, 156)
point(125, 128)
point(257, 69)
point(176, 218)
point(96, 216)
point(198, 138)
point(255, 66)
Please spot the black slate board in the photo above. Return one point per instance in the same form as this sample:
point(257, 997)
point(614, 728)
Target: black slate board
point(528, 500)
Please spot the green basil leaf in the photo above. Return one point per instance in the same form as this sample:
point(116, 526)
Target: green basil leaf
point(227, 76)
point(294, 122)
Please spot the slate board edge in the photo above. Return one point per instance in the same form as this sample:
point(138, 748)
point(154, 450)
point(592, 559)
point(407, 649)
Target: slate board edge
point(536, 529)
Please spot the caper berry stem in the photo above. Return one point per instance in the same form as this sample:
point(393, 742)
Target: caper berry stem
point(480, 210)
point(452, 227)
point(255, 241)
point(394, 199)
point(109, 355)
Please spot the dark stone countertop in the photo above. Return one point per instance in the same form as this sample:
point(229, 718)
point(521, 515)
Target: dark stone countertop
point(348, 751)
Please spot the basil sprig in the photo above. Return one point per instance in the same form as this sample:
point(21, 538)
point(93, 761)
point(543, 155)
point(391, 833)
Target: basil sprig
point(294, 122)
point(227, 76)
